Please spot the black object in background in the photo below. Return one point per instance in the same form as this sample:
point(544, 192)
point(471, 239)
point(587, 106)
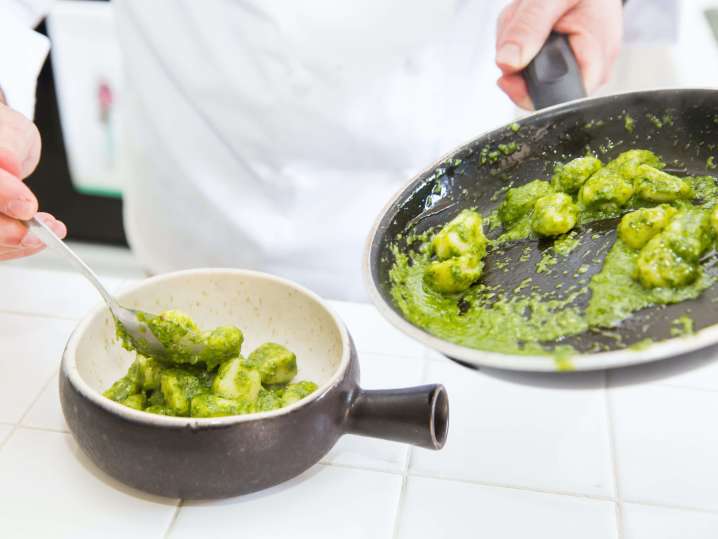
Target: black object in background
point(88, 218)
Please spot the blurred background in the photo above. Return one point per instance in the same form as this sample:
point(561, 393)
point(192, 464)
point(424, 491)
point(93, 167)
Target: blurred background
point(666, 43)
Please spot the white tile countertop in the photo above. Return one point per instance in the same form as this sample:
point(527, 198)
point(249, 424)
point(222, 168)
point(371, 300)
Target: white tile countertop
point(629, 454)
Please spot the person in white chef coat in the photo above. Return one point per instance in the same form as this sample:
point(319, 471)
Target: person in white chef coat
point(269, 134)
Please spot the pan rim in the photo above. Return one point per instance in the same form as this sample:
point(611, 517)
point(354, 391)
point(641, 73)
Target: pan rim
point(656, 351)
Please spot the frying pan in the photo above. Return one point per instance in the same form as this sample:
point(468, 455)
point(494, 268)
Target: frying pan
point(680, 125)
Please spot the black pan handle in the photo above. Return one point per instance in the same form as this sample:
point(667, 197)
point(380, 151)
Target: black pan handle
point(553, 76)
point(413, 415)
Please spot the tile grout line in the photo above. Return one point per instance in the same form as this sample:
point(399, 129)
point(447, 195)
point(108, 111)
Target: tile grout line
point(65, 318)
point(659, 505)
point(401, 502)
point(355, 467)
point(507, 486)
point(473, 482)
point(399, 507)
point(16, 427)
point(613, 451)
point(43, 429)
point(173, 520)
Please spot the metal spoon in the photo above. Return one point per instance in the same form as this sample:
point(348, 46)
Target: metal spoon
point(135, 328)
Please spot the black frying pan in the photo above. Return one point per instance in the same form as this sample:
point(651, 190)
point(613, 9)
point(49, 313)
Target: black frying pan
point(558, 133)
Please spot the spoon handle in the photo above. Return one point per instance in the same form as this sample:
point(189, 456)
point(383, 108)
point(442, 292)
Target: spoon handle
point(42, 231)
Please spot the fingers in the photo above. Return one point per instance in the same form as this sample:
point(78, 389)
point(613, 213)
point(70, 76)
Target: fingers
point(12, 254)
point(17, 241)
point(522, 32)
point(594, 28)
point(515, 87)
point(504, 17)
point(57, 226)
point(16, 199)
point(19, 155)
point(19, 143)
point(595, 35)
point(591, 60)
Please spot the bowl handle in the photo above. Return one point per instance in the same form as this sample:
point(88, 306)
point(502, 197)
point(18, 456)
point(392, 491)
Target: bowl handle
point(413, 415)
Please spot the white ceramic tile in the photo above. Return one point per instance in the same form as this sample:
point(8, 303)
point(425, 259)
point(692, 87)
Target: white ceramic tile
point(31, 351)
point(386, 372)
point(324, 502)
point(698, 370)
point(540, 431)
point(369, 453)
point(4, 432)
point(46, 413)
point(378, 372)
point(373, 334)
point(51, 293)
point(50, 489)
point(436, 509)
point(433, 355)
point(666, 445)
point(119, 262)
point(646, 522)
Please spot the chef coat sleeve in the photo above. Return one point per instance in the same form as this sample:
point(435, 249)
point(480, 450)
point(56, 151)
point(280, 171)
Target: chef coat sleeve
point(22, 52)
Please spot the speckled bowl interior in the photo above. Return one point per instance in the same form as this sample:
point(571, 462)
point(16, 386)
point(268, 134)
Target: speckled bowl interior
point(266, 308)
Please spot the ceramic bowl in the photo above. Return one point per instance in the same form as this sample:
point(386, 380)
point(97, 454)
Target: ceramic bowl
point(219, 457)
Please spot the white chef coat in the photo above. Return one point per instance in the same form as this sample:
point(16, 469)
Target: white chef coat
point(22, 51)
point(268, 134)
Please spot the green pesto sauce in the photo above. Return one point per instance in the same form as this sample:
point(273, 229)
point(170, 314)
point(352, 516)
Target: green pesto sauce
point(546, 263)
point(182, 340)
point(642, 344)
point(683, 325)
point(218, 381)
point(616, 294)
point(629, 123)
point(484, 319)
point(519, 231)
point(527, 320)
point(562, 358)
point(565, 244)
point(660, 122)
point(562, 246)
point(492, 154)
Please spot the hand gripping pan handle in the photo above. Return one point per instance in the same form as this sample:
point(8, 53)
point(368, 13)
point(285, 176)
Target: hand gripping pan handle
point(553, 76)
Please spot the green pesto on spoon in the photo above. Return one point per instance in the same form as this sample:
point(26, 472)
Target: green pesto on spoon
point(132, 324)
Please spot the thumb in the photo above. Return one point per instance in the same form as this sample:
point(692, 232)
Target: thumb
point(521, 36)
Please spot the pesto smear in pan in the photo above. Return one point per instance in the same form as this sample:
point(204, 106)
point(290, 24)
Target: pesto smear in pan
point(665, 227)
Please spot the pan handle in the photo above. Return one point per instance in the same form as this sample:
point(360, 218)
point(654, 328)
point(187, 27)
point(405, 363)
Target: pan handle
point(412, 415)
point(553, 76)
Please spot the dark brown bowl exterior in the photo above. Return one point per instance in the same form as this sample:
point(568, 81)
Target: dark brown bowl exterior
point(210, 461)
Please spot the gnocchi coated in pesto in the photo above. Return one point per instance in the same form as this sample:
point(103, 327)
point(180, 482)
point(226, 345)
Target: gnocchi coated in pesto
point(664, 253)
point(669, 233)
point(459, 247)
point(218, 382)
